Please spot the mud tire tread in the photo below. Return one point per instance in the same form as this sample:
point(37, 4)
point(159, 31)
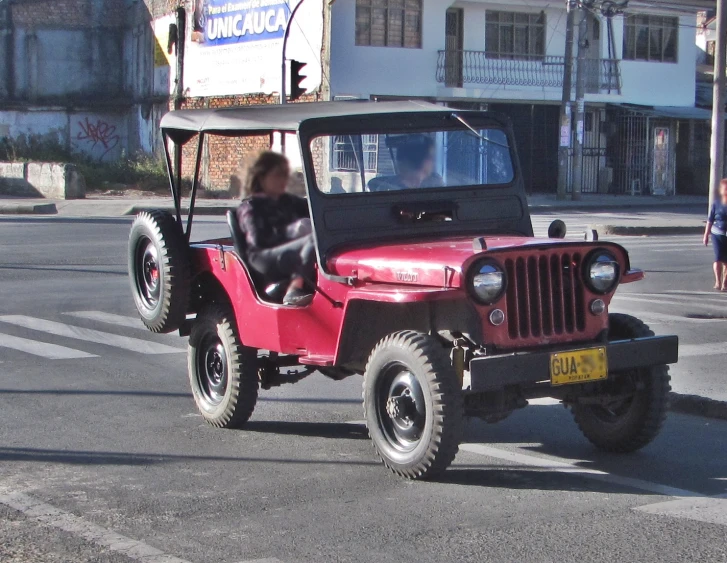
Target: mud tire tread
point(647, 424)
point(162, 228)
point(240, 400)
point(432, 362)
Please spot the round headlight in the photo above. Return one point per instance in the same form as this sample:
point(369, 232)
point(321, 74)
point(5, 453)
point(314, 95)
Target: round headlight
point(486, 282)
point(602, 272)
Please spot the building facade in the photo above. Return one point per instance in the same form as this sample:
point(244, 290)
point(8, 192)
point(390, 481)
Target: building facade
point(639, 77)
point(97, 75)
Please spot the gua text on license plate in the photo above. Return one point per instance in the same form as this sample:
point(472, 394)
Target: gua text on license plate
point(578, 366)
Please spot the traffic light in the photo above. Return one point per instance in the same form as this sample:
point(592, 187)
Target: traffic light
point(295, 79)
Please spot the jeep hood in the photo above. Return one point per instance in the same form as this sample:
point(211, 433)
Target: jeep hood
point(424, 262)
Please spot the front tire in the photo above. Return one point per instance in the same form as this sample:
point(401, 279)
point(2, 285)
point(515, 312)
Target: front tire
point(628, 424)
point(413, 404)
point(222, 372)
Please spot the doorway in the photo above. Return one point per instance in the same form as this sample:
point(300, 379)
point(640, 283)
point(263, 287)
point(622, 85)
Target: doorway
point(662, 170)
point(453, 45)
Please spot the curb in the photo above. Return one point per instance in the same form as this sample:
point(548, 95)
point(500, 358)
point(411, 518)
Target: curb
point(698, 406)
point(554, 207)
point(29, 209)
point(202, 210)
point(645, 230)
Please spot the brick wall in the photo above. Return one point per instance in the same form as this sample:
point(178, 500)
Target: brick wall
point(226, 159)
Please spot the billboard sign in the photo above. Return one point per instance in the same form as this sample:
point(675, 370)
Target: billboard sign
point(224, 22)
point(236, 46)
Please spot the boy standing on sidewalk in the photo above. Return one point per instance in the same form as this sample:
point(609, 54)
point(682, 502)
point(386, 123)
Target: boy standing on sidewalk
point(717, 230)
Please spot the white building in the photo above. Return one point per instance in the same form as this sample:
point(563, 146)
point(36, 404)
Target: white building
point(640, 76)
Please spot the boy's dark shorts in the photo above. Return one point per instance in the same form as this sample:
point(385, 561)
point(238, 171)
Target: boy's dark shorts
point(719, 243)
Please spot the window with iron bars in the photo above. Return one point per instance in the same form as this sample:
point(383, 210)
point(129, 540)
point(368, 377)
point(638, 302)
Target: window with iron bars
point(650, 38)
point(389, 23)
point(344, 155)
point(514, 35)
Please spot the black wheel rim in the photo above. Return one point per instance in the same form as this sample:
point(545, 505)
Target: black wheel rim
point(148, 284)
point(401, 409)
point(613, 411)
point(212, 370)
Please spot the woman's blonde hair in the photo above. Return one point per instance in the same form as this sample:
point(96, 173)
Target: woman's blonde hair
point(263, 165)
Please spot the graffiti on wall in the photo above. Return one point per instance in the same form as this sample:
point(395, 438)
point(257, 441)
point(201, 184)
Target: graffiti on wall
point(96, 137)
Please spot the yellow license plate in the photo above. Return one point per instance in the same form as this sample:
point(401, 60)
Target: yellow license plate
point(578, 366)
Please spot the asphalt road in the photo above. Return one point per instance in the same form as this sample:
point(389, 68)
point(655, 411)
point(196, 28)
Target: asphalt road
point(103, 458)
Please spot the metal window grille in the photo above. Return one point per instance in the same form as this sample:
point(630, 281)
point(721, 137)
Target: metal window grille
point(650, 38)
point(389, 23)
point(514, 35)
point(344, 154)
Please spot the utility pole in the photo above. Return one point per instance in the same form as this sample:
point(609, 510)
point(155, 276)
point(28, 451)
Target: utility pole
point(577, 175)
point(716, 151)
point(181, 37)
point(565, 106)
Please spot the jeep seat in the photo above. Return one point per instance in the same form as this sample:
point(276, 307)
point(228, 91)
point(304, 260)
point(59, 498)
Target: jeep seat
point(270, 291)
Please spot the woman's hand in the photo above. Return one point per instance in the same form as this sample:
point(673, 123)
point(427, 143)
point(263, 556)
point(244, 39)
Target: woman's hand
point(706, 239)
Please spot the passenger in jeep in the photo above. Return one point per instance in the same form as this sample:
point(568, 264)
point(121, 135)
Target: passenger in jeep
point(277, 228)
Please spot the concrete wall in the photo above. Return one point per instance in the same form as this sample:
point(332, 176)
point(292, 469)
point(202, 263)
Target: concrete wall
point(98, 135)
point(365, 71)
point(41, 179)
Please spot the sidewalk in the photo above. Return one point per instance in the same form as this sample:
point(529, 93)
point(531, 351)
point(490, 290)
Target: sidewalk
point(610, 215)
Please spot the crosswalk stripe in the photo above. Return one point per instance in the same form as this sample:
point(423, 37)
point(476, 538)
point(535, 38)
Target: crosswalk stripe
point(43, 349)
point(97, 336)
point(666, 301)
point(675, 299)
point(710, 510)
point(109, 318)
point(650, 317)
point(712, 349)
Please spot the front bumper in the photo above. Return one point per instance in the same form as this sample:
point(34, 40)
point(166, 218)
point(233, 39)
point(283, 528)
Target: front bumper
point(489, 373)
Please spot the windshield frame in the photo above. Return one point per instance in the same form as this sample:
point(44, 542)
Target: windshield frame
point(397, 124)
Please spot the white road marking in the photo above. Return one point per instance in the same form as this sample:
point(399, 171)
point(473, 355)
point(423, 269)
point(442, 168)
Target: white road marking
point(672, 248)
point(544, 401)
point(42, 349)
point(71, 331)
point(711, 510)
point(668, 300)
point(649, 317)
point(711, 349)
point(713, 293)
point(573, 468)
point(109, 318)
point(56, 518)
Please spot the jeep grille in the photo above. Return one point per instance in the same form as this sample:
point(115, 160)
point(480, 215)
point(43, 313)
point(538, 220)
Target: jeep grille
point(545, 295)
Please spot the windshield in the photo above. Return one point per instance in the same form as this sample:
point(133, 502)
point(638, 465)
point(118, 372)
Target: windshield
point(397, 161)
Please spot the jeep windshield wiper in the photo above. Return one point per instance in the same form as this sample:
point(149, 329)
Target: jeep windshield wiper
point(479, 135)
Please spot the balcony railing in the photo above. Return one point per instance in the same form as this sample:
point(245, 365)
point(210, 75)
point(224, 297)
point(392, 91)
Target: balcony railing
point(456, 68)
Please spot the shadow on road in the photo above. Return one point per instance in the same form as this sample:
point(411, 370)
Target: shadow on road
point(81, 457)
point(71, 268)
point(92, 392)
point(310, 429)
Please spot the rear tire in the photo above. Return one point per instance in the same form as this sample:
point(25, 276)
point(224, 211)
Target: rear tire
point(628, 424)
point(223, 374)
point(159, 270)
point(413, 405)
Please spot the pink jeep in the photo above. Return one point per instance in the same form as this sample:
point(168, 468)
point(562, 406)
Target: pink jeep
point(430, 285)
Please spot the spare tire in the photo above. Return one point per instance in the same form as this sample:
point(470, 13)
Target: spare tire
point(159, 270)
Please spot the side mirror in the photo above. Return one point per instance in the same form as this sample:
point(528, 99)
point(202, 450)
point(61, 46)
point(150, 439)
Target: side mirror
point(557, 229)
